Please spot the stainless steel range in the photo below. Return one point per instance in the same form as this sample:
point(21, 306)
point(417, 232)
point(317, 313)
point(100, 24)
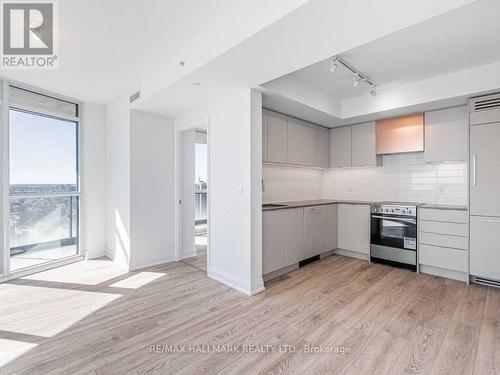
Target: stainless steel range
point(394, 234)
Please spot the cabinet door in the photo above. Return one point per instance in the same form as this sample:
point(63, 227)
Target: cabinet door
point(331, 227)
point(293, 223)
point(485, 170)
point(294, 142)
point(485, 247)
point(340, 147)
point(277, 137)
point(314, 231)
point(273, 241)
point(446, 134)
point(264, 134)
point(353, 227)
point(308, 145)
point(322, 147)
point(363, 145)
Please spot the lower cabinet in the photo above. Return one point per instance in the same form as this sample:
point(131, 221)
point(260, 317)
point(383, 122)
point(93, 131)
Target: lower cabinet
point(314, 231)
point(443, 242)
point(282, 238)
point(485, 247)
point(294, 234)
point(353, 227)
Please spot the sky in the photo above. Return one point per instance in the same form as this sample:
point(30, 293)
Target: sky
point(42, 150)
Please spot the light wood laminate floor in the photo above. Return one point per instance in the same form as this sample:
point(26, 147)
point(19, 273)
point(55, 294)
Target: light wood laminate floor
point(91, 318)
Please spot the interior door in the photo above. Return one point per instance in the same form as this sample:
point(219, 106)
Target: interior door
point(485, 169)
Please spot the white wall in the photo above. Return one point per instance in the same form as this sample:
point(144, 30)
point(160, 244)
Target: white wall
point(118, 182)
point(285, 184)
point(234, 192)
point(403, 177)
point(151, 189)
point(94, 180)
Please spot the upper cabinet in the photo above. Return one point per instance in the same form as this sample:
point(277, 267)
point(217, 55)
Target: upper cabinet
point(340, 147)
point(401, 134)
point(446, 135)
point(363, 152)
point(322, 147)
point(264, 134)
point(294, 142)
point(353, 146)
point(277, 137)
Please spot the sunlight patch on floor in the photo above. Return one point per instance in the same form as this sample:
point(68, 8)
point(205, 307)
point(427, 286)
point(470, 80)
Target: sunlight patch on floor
point(138, 280)
point(12, 349)
point(87, 272)
point(45, 312)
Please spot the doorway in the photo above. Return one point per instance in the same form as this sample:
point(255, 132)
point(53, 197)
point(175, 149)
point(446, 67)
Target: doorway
point(193, 197)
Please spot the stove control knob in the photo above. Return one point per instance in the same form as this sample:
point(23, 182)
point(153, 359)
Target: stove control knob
point(392, 211)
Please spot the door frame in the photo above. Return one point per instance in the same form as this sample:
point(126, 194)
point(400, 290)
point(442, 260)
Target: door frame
point(204, 125)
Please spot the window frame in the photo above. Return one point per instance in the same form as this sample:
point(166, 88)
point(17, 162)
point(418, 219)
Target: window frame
point(6, 106)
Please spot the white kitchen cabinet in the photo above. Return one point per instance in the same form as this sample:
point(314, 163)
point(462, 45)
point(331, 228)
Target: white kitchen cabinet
point(314, 231)
point(331, 227)
point(308, 145)
point(294, 141)
point(485, 169)
point(282, 238)
point(264, 134)
point(340, 147)
point(353, 227)
point(293, 222)
point(277, 137)
point(322, 147)
point(485, 247)
point(273, 240)
point(446, 135)
point(363, 145)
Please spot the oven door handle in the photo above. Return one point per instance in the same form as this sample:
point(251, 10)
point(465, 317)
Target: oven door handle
point(412, 221)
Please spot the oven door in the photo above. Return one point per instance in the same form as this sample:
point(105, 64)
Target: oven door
point(395, 232)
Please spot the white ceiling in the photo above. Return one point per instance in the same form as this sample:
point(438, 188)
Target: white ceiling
point(112, 48)
point(463, 38)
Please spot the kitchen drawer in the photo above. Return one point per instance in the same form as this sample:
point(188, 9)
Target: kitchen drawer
point(443, 257)
point(443, 228)
point(450, 216)
point(444, 240)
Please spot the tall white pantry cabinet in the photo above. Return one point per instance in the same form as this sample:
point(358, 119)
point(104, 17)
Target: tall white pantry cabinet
point(485, 188)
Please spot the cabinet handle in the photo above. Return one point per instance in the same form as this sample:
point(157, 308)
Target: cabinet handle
point(474, 170)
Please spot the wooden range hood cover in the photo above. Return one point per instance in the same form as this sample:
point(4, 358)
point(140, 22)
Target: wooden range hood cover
point(400, 134)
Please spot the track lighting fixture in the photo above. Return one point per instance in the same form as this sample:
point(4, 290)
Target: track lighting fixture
point(357, 76)
point(333, 64)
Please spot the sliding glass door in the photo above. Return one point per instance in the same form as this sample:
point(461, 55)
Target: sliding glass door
point(44, 191)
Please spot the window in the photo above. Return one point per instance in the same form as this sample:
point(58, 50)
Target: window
point(44, 193)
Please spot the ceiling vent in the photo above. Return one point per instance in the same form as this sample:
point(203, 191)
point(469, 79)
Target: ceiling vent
point(135, 96)
point(485, 102)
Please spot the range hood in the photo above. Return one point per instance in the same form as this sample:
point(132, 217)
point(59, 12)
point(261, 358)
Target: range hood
point(400, 134)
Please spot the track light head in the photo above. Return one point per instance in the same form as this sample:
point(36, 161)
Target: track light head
point(355, 80)
point(373, 91)
point(333, 64)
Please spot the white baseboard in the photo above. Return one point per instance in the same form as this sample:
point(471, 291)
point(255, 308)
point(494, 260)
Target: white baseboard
point(232, 282)
point(188, 255)
point(449, 274)
point(352, 254)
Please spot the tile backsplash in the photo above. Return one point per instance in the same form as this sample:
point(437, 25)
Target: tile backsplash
point(402, 177)
point(282, 184)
